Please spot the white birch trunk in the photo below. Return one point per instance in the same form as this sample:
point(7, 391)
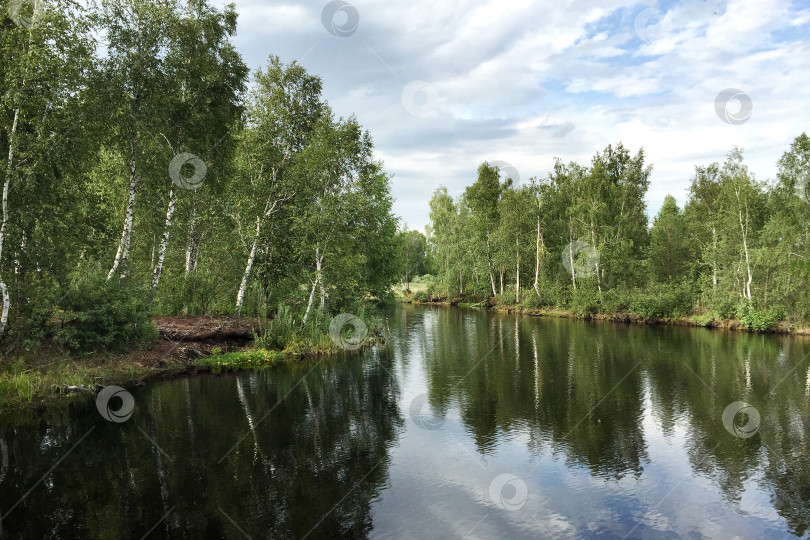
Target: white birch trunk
point(122, 255)
point(6, 184)
point(319, 270)
point(517, 270)
point(571, 256)
point(318, 280)
point(749, 273)
point(240, 296)
point(596, 264)
point(714, 258)
point(311, 297)
point(164, 242)
point(537, 262)
point(191, 244)
point(491, 275)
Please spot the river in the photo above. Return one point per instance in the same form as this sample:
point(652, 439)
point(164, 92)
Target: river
point(469, 424)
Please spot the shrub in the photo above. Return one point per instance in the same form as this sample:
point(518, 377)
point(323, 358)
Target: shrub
point(96, 312)
point(722, 303)
point(421, 296)
point(661, 300)
point(758, 319)
point(193, 293)
point(531, 300)
point(704, 319)
point(584, 301)
point(288, 333)
point(616, 300)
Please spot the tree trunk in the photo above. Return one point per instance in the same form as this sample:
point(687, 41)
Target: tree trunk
point(749, 273)
point(537, 261)
point(517, 270)
point(122, 255)
point(489, 266)
point(318, 269)
point(318, 281)
point(407, 269)
point(7, 183)
point(311, 296)
point(596, 264)
point(240, 296)
point(714, 258)
point(571, 255)
point(164, 242)
point(191, 243)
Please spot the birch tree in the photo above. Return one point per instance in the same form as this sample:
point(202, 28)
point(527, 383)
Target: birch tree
point(208, 78)
point(482, 198)
point(138, 34)
point(282, 111)
point(42, 91)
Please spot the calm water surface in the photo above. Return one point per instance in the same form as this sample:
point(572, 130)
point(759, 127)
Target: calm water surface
point(470, 425)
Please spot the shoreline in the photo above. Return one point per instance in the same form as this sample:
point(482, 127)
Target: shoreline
point(693, 321)
point(185, 346)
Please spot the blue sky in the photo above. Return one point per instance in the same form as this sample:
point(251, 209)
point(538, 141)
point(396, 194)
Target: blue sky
point(444, 86)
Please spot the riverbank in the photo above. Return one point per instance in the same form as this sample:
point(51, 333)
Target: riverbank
point(186, 345)
point(705, 320)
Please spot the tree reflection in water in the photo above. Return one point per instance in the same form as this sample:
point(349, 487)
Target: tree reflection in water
point(611, 430)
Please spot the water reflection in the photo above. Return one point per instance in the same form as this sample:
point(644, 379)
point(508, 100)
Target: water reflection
point(471, 424)
point(315, 463)
point(616, 429)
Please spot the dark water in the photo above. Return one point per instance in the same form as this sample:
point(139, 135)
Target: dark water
point(470, 425)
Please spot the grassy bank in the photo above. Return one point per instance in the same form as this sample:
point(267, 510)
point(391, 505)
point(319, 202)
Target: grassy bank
point(706, 319)
point(186, 345)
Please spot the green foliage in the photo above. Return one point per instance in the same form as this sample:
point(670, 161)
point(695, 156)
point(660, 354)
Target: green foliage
point(254, 358)
point(413, 255)
point(723, 304)
point(668, 252)
point(421, 296)
point(661, 300)
point(531, 301)
point(704, 319)
point(760, 320)
point(585, 301)
point(285, 332)
point(97, 313)
point(292, 195)
point(193, 293)
point(736, 237)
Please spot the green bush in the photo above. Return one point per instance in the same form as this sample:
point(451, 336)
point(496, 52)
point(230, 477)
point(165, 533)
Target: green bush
point(424, 278)
point(758, 319)
point(433, 289)
point(722, 303)
point(705, 319)
point(288, 333)
point(99, 313)
point(585, 301)
point(616, 300)
point(661, 300)
point(193, 293)
point(531, 300)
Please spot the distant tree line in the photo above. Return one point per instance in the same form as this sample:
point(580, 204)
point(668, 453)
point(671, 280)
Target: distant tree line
point(580, 239)
point(144, 172)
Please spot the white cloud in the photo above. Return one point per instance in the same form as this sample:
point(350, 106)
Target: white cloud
point(523, 83)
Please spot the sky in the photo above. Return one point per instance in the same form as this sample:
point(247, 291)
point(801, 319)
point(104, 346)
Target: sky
point(443, 86)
